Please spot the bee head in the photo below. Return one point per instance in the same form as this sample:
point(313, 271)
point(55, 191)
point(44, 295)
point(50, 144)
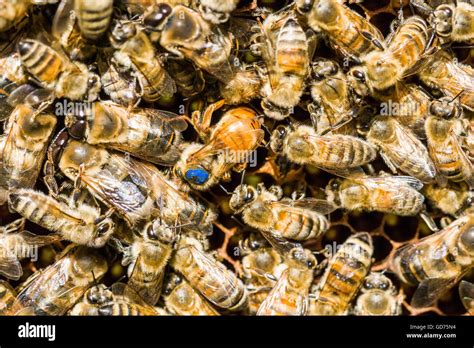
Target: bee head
point(442, 20)
point(155, 19)
point(242, 196)
point(323, 68)
point(376, 281)
point(123, 31)
point(304, 6)
point(357, 78)
point(303, 257)
point(467, 239)
point(278, 138)
point(156, 232)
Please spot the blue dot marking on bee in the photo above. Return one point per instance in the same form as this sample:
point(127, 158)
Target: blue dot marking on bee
point(197, 176)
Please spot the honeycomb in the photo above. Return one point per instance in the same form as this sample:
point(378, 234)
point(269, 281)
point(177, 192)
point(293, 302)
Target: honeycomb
point(388, 231)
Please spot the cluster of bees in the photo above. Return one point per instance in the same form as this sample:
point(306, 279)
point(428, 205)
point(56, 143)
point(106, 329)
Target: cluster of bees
point(127, 123)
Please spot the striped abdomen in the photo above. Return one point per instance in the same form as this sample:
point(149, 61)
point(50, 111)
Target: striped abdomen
point(211, 278)
point(126, 309)
point(41, 61)
point(292, 49)
point(93, 17)
point(342, 152)
point(299, 224)
point(344, 275)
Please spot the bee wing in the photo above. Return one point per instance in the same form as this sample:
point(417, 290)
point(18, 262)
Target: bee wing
point(122, 289)
point(151, 294)
point(176, 122)
point(64, 19)
point(321, 206)
point(280, 296)
point(430, 290)
point(38, 240)
point(15, 226)
point(466, 292)
point(10, 266)
point(282, 245)
point(390, 182)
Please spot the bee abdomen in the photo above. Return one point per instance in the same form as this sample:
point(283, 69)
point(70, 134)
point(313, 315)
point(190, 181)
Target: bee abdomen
point(94, 17)
point(292, 49)
point(40, 60)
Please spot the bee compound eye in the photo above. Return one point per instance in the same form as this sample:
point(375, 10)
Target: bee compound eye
point(197, 176)
point(467, 239)
point(158, 16)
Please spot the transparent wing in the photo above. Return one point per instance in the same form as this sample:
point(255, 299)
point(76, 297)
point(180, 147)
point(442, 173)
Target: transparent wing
point(174, 121)
point(466, 292)
point(10, 267)
point(321, 206)
point(152, 290)
point(430, 290)
point(127, 292)
point(64, 19)
point(390, 183)
point(282, 245)
point(38, 240)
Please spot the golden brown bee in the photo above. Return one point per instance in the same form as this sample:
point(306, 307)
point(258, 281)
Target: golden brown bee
point(17, 244)
point(387, 194)
point(8, 304)
point(259, 260)
point(445, 149)
point(210, 277)
point(119, 300)
point(55, 72)
point(136, 55)
point(332, 105)
point(454, 22)
point(346, 30)
point(451, 199)
point(268, 212)
point(287, 52)
point(147, 259)
point(182, 299)
point(189, 79)
point(343, 276)
point(137, 191)
point(78, 222)
point(401, 149)
point(23, 147)
point(450, 77)
point(378, 296)
point(93, 17)
point(149, 134)
point(335, 153)
point(436, 262)
point(382, 69)
point(12, 76)
point(230, 143)
point(184, 32)
point(217, 11)
point(290, 294)
point(55, 289)
point(466, 292)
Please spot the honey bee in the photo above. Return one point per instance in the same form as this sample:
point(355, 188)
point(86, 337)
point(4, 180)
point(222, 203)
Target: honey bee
point(182, 299)
point(335, 153)
point(466, 292)
point(147, 259)
point(450, 77)
point(290, 294)
point(332, 99)
point(8, 305)
point(135, 54)
point(382, 69)
point(149, 134)
point(211, 278)
point(189, 79)
point(93, 18)
point(451, 199)
point(184, 32)
point(453, 22)
point(217, 11)
point(229, 144)
point(60, 76)
point(55, 289)
point(17, 244)
point(387, 194)
point(445, 149)
point(344, 275)
point(378, 296)
point(269, 213)
point(346, 30)
point(435, 263)
point(137, 191)
point(286, 51)
point(401, 149)
point(12, 76)
point(119, 300)
point(23, 146)
point(81, 223)
point(259, 259)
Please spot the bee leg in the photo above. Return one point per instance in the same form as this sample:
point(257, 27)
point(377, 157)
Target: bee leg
point(372, 39)
point(428, 220)
point(202, 122)
point(49, 173)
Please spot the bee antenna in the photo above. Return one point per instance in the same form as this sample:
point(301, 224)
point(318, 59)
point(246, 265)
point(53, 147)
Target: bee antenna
point(457, 96)
point(237, 220)
point(243, 177)
point(95, 279)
